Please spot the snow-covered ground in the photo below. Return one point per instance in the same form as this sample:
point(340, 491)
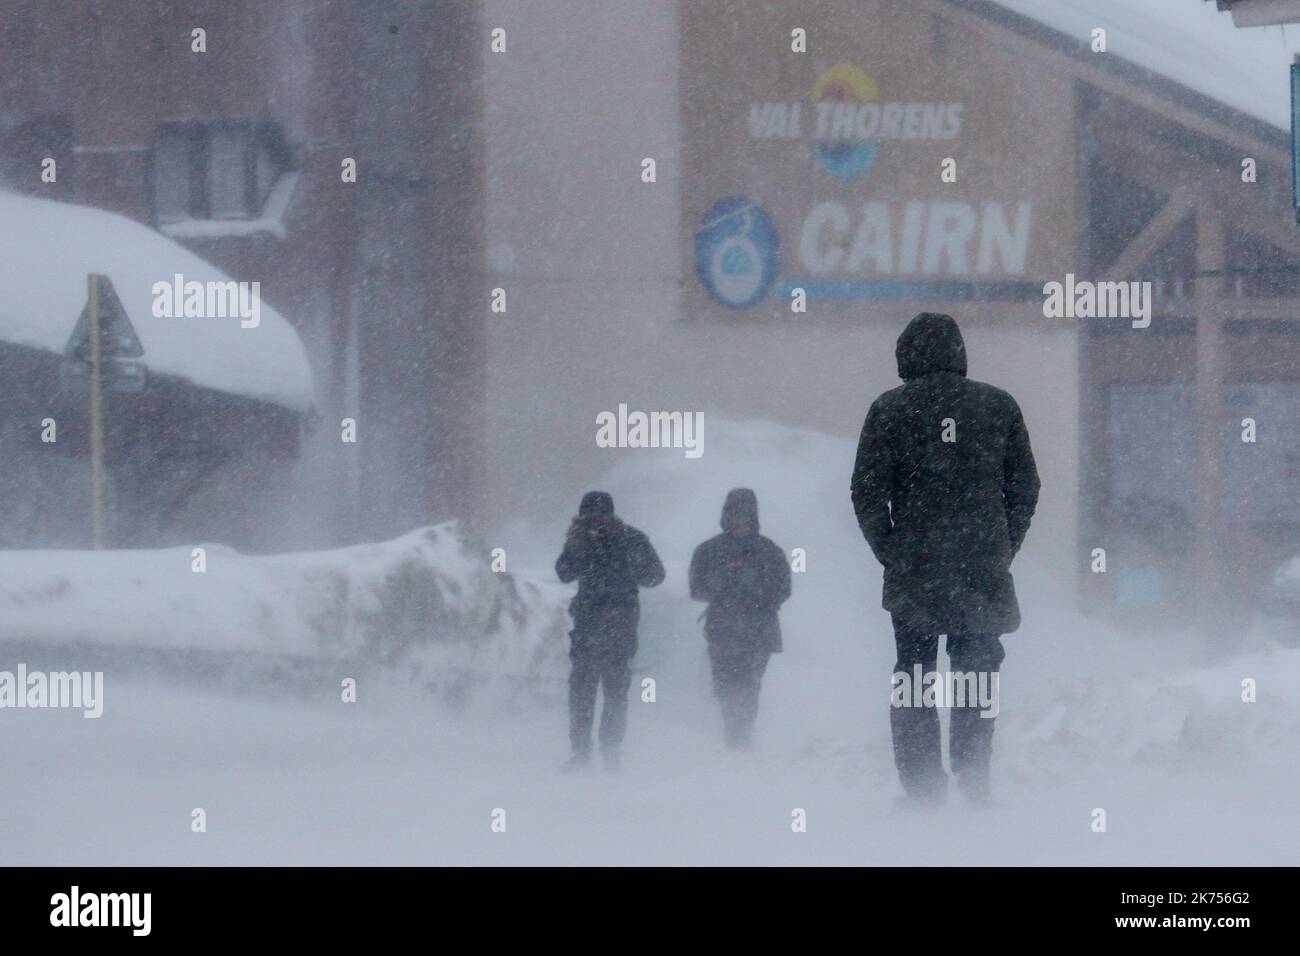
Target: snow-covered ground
point(1152, 730)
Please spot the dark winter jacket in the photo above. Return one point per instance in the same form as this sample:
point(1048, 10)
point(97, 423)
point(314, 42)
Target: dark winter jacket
point(610, 561)
point(744, 578)
point(945, 518)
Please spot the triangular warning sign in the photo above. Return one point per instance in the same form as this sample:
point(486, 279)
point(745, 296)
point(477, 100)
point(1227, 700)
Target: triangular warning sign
point(117, 338)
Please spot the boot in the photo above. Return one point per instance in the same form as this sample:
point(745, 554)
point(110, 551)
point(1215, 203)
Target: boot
point(580, 760)
point(974, 788)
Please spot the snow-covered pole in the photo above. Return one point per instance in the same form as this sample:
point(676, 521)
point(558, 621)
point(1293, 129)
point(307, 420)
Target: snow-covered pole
point(96, 417)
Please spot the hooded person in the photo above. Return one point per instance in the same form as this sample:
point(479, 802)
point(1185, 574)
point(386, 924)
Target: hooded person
point(610, 561)
point(745, 579)
point(944, 487)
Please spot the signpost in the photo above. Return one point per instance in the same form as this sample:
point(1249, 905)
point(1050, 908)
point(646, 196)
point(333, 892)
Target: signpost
point(1295, 140)
point(100, 351)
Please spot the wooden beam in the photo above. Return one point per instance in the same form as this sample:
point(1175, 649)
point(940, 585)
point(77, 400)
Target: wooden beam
point(1239, 203)
point(1179, 205)
point(1280, 309)
point(1211, 553)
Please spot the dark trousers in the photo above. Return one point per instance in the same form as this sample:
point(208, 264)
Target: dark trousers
point(607, 667)
point(917, 744)
point(737, 677)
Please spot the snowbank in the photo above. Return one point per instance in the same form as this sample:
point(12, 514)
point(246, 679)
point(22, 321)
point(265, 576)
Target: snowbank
point(422, 597)
point(48, 248)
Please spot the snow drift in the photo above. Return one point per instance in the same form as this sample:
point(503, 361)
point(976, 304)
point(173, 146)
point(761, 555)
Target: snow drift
point(422, 601)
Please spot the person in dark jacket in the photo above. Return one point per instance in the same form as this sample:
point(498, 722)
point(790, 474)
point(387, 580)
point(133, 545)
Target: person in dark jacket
point(944, 487)
point(610, 561)
point(745, 579)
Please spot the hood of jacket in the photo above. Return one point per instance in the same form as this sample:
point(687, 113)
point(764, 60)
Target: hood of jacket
point(741, 503)
point(596, 504)
point(930, 343)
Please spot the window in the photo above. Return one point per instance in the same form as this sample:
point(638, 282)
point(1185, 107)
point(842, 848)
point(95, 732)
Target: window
point(218, 170)
point(1153, 449)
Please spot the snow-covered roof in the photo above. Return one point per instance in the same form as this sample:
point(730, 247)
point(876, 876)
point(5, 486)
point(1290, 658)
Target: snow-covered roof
point(48, 248)
point(1189, 42)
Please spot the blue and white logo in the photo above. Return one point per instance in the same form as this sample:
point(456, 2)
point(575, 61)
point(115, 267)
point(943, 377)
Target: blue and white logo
point(737, 251)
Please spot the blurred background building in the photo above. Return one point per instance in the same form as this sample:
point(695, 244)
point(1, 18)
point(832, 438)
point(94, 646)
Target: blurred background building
point(1122, 164)
point(237, 153)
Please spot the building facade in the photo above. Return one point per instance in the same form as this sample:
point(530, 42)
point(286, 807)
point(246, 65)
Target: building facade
point(235, 141)
point(878, 158)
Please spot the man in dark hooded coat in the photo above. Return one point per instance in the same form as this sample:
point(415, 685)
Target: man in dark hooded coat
point(745, 579)
point(944, 487)
point(610, 561)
